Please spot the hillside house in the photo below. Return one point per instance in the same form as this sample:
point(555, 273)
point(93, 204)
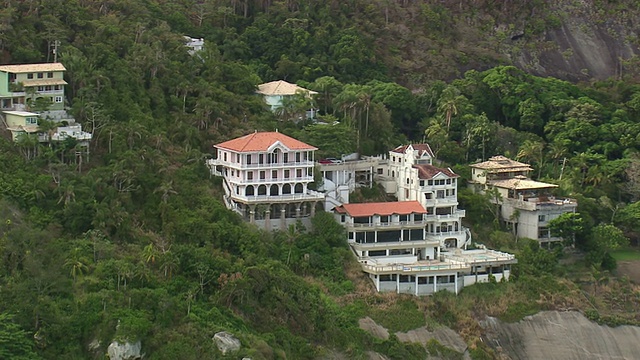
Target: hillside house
point(391, 240)
point(20, 84)
point(526, 205)
point(21, 123)
point(275, 92)
point(266, 179)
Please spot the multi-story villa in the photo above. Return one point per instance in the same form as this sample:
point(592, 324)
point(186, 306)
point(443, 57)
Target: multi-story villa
point(20, 84)
point(266, 178)
point(525, 205)
point(391, 240)
point(410, 175)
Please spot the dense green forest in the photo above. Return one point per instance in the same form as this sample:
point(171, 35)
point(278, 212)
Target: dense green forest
point(134, 243)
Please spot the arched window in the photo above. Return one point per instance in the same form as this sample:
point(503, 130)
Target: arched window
point(298, 189)
point(249, 191)
point(286, 189)
point(262, 190)
point(273, 191)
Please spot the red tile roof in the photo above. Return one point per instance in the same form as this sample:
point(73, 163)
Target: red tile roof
point(427, 172)
point(262, 141)
point(421, 148)
point(381, 208)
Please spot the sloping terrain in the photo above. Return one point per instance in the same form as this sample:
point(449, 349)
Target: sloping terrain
point(561, 335)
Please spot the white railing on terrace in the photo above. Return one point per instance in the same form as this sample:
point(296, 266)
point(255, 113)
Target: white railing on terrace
point(271, 181)
point(389, 224)
point(242, 166)
point(310, 195)
point(393, 243)
point(414, 267)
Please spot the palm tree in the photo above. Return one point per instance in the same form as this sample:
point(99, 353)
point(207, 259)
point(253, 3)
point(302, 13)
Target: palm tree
point(448, 104)
point(76, 264)
point(532, 151)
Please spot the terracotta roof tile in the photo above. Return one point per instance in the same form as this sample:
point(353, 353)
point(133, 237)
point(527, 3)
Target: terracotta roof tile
point(281, 87)
point(521, 183)
point(427, 172)
point(261, 141)
point(421, 148)
point(27, 68)
point(381, 208)
point(501, 163)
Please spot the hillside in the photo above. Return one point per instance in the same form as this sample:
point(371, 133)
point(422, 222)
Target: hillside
point(133, 242)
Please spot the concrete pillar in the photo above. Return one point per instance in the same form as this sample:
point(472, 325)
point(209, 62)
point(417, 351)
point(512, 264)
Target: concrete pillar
point(398, 283)
point(298, 205)
point(377, 282)
point(313, 209)
point(267, 219)
point(416, 285)
point(252, 214)
point(283, 221)
point(455, 283)
point(435, 283)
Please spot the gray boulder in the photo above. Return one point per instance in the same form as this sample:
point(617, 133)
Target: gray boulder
point(226, 342)
point(124, 351)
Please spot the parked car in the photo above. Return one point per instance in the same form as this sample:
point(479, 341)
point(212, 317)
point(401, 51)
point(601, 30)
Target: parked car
point(330, 161)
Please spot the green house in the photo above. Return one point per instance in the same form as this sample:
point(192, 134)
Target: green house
point(22, 85)
point(21, 122)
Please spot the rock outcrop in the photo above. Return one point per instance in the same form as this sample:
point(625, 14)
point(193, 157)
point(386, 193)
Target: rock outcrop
point(561, 335)
point(124, 351)
point(226, 342)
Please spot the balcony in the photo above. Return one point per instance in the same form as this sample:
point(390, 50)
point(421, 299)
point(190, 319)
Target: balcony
point(289, 180)
point(243, 166)
point(288, 198)
point(455, 216)
point(425, 266)
point(407, 244)
point(541, 203)
point(390, 224)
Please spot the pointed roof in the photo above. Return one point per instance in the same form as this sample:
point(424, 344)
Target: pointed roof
point(27, 68)
point(281, 87)
point(381, 208)
point(501, 163)
point(427, 172)
point(420, 148)
point(262, 141)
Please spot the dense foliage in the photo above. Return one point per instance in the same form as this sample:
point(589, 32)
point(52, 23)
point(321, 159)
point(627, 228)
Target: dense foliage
point(134, 243)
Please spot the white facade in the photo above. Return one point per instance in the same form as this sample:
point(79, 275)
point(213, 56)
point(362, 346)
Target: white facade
point(266, 178)
point(393, 245)
point(525, 205)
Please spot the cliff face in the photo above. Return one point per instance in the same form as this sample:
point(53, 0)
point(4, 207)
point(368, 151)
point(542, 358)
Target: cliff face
point(579, 50)
point(561, 335)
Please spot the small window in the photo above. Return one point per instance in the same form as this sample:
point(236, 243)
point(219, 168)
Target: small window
point(430, 182)
point(40, 75)
point(448, 181)
point(274, 174)
point(29, 76)
point(248, 159)
point(225, 156)
point(263, 175)
point(49, 75)
point(297, 157)
point(287, 174)
point(250, 175)
point(541, 218)
point(380, 171)
point(298, 173)
point(421, 182)
point(285, 158)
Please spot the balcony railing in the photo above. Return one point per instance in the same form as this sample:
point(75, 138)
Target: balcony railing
point(393, 244)
point(309, 196)
point(243, 166)
point(414, 268)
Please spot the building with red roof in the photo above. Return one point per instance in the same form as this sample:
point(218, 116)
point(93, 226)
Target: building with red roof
point(266, 178)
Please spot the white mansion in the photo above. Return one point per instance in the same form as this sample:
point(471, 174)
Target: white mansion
point(416, 245)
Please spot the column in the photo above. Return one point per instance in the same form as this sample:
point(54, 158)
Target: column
point(398, 283)
point(435, 282)
point(252, 214)
point(416, 285)
point(455, 283)
point(267, 219)
point(298, 205)
point(313, 208)
point(283, 221)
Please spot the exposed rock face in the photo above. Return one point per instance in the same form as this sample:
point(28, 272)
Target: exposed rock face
point(367, 324)
point(226, 342)
point(561, 335)
point(126, 351)
point(444, 335)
